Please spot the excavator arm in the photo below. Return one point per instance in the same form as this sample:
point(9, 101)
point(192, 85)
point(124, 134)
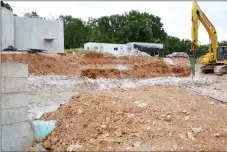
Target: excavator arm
point(198, 15)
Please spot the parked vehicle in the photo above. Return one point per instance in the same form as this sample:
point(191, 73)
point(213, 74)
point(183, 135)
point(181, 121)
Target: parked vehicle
point(178, 55)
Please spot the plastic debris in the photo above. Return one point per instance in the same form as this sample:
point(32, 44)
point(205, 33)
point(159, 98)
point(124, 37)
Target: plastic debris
point(43, 128)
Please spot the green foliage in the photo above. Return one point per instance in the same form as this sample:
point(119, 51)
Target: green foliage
point(129, 27)
point(6, 5)
point(174, 44)
point(33, 15)
point(203, 49)
point(223, 43)
point(74, 33)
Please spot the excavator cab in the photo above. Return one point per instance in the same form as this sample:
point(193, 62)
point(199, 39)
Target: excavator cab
point(222, 53)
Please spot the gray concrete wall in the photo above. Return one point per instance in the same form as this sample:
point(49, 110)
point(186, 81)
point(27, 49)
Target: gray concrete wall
point(17, 133)
point(7, 25)
point(31, 33)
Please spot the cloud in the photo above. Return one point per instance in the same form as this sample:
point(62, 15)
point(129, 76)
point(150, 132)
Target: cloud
point(175, 15)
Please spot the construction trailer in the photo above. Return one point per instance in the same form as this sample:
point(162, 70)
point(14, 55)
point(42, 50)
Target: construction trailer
point(153, 49)
point(115, 49)
point(30, 33)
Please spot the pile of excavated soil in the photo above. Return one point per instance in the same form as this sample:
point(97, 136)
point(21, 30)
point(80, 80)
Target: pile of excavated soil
point(44, 64)
point(72, 65)
point(158, 118)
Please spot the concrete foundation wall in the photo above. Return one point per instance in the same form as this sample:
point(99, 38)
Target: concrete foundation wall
point(17, 133)
point(7, 25)
point(39, 33)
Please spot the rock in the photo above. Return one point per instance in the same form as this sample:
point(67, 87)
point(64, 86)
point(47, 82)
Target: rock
point(167, 118)
point(211, 103)
point(118, 132)
point(40, 140)
point(136, 144)
point(73, 147)
point(225, 130)
point(103, 126)
point(196, 130)
point(114, 140)
point(186, 118)
point(46, 144)
point(218, 135)
point(131, 115)
point(39, 115)
point(107, 119)
point(181, 136)
point(106, 135)
point(79, 111)
point(190, 136)
point(135, 135)
point(159, 129)
point(185, 112)
point(54, 140)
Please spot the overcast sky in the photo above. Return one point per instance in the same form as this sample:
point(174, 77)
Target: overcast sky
point(175, 15)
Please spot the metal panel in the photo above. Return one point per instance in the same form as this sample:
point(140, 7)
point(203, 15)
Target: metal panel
point(7, 25)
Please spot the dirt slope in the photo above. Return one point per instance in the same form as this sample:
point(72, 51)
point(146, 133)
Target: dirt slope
point(77, 65)
point(158, 118)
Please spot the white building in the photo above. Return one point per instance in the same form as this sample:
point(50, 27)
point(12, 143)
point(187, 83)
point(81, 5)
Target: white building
point(115, 49)
point(30, 33)
point(126, 49)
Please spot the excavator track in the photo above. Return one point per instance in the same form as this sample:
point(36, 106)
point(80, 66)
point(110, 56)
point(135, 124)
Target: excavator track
point(216, 69)
point(220, 70)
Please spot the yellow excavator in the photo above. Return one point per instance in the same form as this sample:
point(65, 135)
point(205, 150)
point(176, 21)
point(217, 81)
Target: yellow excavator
point(216, 58)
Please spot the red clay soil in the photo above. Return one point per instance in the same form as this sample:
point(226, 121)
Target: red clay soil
point(71, 65)
point(158, 118)
point(44, 64)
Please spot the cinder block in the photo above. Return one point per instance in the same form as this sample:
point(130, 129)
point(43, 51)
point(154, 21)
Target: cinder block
point(16, 130)
point(10, 85)
point(14, 115)
point(18, 144)
point(14, 70)
point(13, 100)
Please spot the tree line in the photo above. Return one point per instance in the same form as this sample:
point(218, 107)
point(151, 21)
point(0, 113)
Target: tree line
point(132, 26)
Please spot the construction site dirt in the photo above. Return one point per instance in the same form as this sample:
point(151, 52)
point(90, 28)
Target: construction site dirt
point(88, 65)
point(158, 118)
point(124, 103)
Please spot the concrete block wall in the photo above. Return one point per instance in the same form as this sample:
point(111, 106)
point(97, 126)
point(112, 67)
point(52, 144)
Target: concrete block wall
point(17, 133)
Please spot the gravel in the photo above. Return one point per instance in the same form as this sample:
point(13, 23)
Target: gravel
point(48, 92)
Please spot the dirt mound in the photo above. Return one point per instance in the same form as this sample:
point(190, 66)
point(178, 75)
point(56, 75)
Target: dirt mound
point(72, 65)
point(146, 67)
point(43, 64)
point(156, 118)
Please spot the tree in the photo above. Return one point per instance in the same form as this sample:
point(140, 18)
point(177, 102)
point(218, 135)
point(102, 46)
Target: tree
point(66, 19)
point(74, 34)
point(174, 44)
point(203, 49)
point(132, 26)
point(33, 15)
point(6, 5)
point(223, 43)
